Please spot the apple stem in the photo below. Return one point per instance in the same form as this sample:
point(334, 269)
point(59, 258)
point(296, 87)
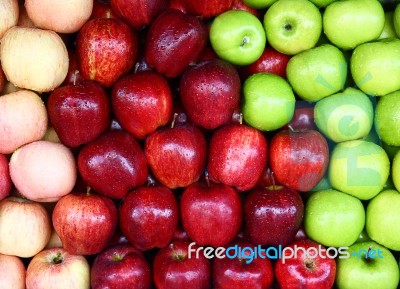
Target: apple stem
point(272, 176)
point(74, 77)
point(290, 128)
point(207, 178)
point(88, 189)
point(241, 118)
point(150, 181)
point(57, 259)
point(173, 120)
point(367, 258)
point(245, 40)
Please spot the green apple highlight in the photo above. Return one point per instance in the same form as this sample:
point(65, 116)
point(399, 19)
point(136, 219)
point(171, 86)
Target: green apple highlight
point(259, 4)
point(387, 118)
point(396, 170)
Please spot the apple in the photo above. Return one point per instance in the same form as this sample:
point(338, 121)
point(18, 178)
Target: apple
point(3, 80)
point(33, 58)
point(5, 179)
point(396, 170)
point(303, 270)
point(238, 37)
point(396, 20)
point(236, 273)
point(148, 217)
point(85, 222)
point(9, 14)
point(23, 19)
point(58, 15)
point(303, 116)
point(277, 210)
point(142, 102)
point(237, 156)
point(388, 29)
point(268, 101)
point(333, 218)
point(121, 266)
point(57, 267)
point(176, 155)
point(206, 209)
point(370, 265)
point(345, 116)
point(373, 66)
point(386, 121)
point(292, 26)
point(73, 76)
point(172, 268)
point(12, 272)
point(177, 5)
point(259, 4)
point(348, 24)
point(210, 92)
point(299, 159)
point(174, 33)
point(241, 5)
point(113, 164)
point(102, 9)
point(382, 217)
point(271, 61)
point(359, 168)
point(79, 113)
point(207, 9)
point(54, 241)
point(107, 49)
point(317, 72)
point(322, 3)
point(24, 227)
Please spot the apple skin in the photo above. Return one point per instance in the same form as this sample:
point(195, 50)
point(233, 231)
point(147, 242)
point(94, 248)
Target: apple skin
point(2, 80)
point(210, 92)
point(107, 48)
point(120, 267)
point(138, 14)
point(79, 113)
point(237, 274)
point(299, 160)
point(174, 33)
point(208, 8)
point(148, 217)
point(237, 156)
point(396, 20)
point(142, 102)
point(176, 156)
point(173, 269)
point(12, 272)
point(85, 222)
point(5, 179)
point(73, 76)
point(57, 267)
point(241, 5)
point(303, 272)
point(271, 61)
point(102, 9)
point(276, 209)
point(206, 208)
point(113, 164)
point(303, 117)
point(386, 121)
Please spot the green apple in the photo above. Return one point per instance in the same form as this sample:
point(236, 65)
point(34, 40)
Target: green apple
point(388, 29)
point(259, 4)
point(390, 150)
point(363, 237)
point(352, 22)
point(268, 101)
point(322, 3)
point(293, 26)
point(383, 219)
point(369, 266)
point(375, 66)
point(396, 171)
point(345, 116)
point(387, 118)
point(359, 168)
point(238, 37)
point(333, 218)
point(396, 20)
point(317, 72)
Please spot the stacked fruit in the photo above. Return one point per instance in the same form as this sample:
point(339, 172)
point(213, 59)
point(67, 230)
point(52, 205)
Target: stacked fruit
point(199, 144)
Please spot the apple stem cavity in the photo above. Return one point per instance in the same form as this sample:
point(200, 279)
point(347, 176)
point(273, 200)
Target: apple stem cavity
point(245, 40)
point(310, 264)
point(117, 257)
point(288, 27)
point(57, 258)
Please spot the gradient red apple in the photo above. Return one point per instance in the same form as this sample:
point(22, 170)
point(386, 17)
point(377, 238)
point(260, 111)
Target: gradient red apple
point(5, 179)
point(107, 49)
point(148, 217)
point(207, 209)
point(210, 92)
point(113, 164)
point(120, 267)
point(207, 8)
point(303, 117)
point(142, 102)
point(174, 41)
point(102, 9)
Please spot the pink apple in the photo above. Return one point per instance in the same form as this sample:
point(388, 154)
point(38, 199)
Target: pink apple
point(12, 272)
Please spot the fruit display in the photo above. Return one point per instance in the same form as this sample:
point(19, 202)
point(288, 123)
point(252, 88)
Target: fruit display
point(215, 144)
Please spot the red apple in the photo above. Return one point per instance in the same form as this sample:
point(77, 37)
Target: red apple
point(210, 92)
point(267, 178)
point(174, 41)
point(301, 234)
point(120, 267)
point(206, 209)
point(239, 273)
point(302, 271)
point(74, 75)
point(85, 222)
point(138, 13)
point(178, 5)
point(299, 159)
point(79, 113)
point(148, 217)
point(181, 235)
point(12, 272)
point(303, 117)
point(142, 102)
point(277, 210)
point(271, 61)
point(57, 267)
point(237, 157)
point(113, 164)
point(107, 49)
point(208, 8)
point(172, 268)
point(177, 156)
point(5, 180)
point(102, 9)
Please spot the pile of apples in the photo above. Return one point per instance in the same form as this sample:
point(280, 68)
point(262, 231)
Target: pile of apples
point(139, 138)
